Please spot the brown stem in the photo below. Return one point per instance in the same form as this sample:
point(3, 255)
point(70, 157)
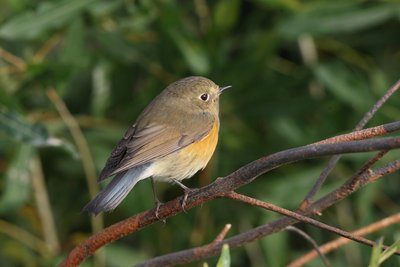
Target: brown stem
point(223, 233)
point(335, 244)
point(214, 248)
point(334, 159)
point(312, 242)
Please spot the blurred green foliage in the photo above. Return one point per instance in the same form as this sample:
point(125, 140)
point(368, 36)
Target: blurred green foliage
point(379, 255)
point(301, 71)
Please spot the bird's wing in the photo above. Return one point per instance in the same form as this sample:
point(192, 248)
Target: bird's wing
point(153, 141)
point(117, 154)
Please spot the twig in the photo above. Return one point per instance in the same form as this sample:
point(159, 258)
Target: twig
point(363, 134)
point(377, 106)
point(14, 60)
point(242, 176)
point(43, 206)
point(312, 242)
point(333, 245)
point(212, 249)
point(334, 159)
point(223, 233)
point(367, 166)
point(298, 217)
point(46, 48)
point(164, 260)
point(353, 179)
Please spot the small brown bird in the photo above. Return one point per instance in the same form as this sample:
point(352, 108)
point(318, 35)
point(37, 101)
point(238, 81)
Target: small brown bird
point(173, 138)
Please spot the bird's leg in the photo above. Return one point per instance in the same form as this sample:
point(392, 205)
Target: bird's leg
point(156, 200)
point(186, 191)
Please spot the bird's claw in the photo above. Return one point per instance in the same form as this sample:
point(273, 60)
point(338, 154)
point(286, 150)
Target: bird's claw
point(186, 193)
point(158, 205)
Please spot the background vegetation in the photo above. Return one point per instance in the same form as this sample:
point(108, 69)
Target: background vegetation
point(301, 71)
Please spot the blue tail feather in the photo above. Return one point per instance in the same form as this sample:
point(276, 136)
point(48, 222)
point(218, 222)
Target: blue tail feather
point(113, 194)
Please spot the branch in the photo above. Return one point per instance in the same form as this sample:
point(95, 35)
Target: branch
point(313, 243)
point(328, 247)
point(214, 248)
point(363, 134)
point(221, 186)
point(333, 160)
point(223, 233)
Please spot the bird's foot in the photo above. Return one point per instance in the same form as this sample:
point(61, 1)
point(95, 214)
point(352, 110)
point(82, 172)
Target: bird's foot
point(186, 192)
point(158, 205)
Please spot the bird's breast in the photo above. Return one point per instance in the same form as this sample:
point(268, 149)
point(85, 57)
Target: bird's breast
point(188, 160)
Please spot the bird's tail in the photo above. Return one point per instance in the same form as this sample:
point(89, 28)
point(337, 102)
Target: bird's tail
point(109, 198)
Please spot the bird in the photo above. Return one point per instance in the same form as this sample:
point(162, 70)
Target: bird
point(173, 138)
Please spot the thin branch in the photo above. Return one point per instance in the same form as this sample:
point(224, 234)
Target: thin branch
point(312, 242)
point(181, 257)
point(357, 135)
point(334, 159)
point(377, 106)
point(363, 134)
point(335, 244)
point(349, 186)
point(46, 48)
point(213, 248)
point(221, 186)
point(223, 233)
point(359, 173)
point(367, 166)
point(323, 203)
point(298, 217)
point(14, 60)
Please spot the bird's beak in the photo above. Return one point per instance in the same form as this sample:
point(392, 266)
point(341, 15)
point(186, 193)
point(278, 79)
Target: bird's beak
point(223, 88)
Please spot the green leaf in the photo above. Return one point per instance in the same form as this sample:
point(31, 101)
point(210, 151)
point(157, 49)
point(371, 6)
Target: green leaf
point(74, 51)
point(348, 19)
point(104, 8)
point(115, 46)
point(390, 251)
point(15, 127)
point(345, 85)
point(51, 15)
point(226, 14)
point(225, 258)
point(376, 252)
point(101, 88)
point(16, 181)
point(119, 256)
point(194, 54)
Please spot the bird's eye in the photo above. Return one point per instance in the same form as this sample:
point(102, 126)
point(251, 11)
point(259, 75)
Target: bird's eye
point(204, 97)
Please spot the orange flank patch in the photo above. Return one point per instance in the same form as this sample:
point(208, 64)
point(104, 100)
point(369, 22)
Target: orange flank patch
point(203, 150)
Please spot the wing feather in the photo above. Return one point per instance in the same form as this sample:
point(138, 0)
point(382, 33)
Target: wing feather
point(153, 141)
